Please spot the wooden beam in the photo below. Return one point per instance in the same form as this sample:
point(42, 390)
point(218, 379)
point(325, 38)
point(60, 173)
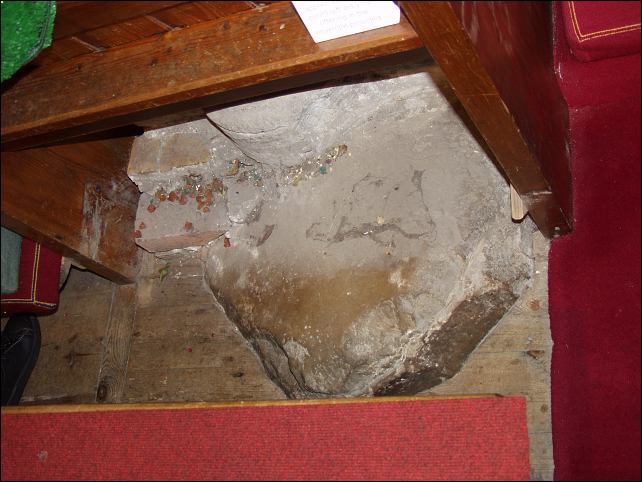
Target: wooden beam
point(78, 200)
point(248, 54)
point(498, 58)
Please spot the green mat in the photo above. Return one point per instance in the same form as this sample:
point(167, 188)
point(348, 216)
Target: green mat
point(10, 248)
point(26, 30)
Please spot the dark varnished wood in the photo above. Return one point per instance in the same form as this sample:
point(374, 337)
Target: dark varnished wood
point(73, 18)
point(191, 13)
point(497, 57)
point(78, 200)
point(200, 66)
point(94, 26)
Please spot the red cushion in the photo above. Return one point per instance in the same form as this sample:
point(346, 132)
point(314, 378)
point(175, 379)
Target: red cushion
point(598, 30)
point(38, 281)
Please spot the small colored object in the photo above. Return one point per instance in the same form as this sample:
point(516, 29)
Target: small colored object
point(164, 272)
point(323, 170)
point(138, 234)
point(188, 226)
point(142, 225)
point(160, 195)
point(236, 165)
point(226, 242)
point(151, 208)
point(218, 185)
point(183, 199)
point(172, 196)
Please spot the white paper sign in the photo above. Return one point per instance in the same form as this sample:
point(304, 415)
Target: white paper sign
point(330, 20)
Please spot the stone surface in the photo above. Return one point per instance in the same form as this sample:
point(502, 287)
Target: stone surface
point(289, 129)
point(162, 155)
point(174, 226)
point(184, 149)
point(144, 156)
point(191, 159)
point(386, 254)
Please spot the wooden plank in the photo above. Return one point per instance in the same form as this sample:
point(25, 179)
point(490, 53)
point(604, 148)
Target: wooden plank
point(70, 353)
point(84, 408)
point(63, 49)
point(75, 17)
point(252, 53)
point(121, 33)
point(116, 346)
point(184, 348)
point(190, 13)
point(78, 200)
point(496, 55)
point(87, 27)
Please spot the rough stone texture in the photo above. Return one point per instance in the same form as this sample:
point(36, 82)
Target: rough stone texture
point(144, 156)
point(184, 149)
point(386, 254)
point(162, 155)
point(173, 226)
point(289, 129)
point(167, 160)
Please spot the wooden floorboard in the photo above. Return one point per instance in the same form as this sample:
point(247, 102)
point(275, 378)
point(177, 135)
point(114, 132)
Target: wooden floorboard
point(116, 345)
point(184, 348)
point(71, 351)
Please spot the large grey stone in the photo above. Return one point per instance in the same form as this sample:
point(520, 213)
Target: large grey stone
point(289, 129)
point(379, 266)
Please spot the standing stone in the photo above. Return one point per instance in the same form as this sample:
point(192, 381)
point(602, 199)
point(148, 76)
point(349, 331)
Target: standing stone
point(388, 251)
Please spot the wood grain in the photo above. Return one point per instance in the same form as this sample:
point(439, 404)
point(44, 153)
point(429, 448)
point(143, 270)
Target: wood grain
point(73, 18)
point(70, 355)
point(204, 65)
point(78, 200)
point(191, 13)
point(116, 345)
point(496, 55)
point(84, 408)
point(86, 27)
point(184, 348)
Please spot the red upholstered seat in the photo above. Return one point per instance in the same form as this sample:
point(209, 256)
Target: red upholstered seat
point(598, 30)
point(38, 281)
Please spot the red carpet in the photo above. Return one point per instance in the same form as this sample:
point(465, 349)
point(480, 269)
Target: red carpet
point(439, 439)
point(594, 275)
